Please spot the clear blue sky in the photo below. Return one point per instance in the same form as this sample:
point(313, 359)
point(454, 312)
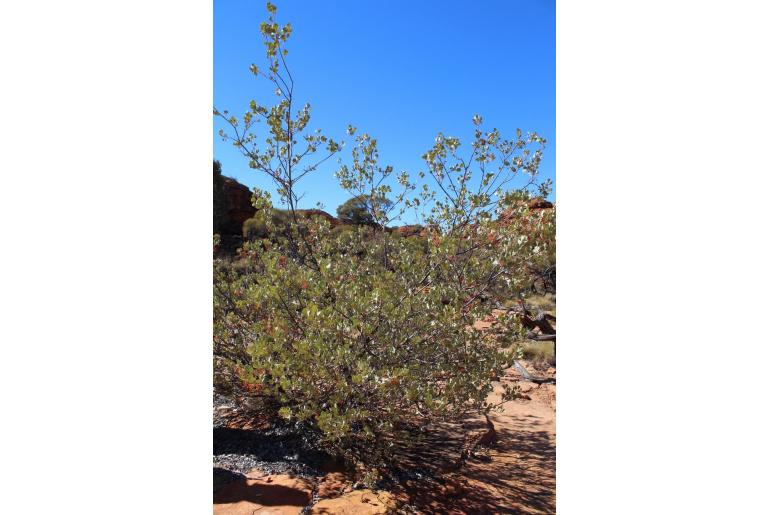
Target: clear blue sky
point(400, 70)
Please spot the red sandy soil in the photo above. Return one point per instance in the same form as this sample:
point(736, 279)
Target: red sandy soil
point(516, 475)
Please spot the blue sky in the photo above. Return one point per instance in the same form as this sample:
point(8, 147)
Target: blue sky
point(402, 71)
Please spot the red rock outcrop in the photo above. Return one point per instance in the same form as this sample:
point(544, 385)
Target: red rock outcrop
point(240, 209)
point(540, 203)
point(318, 212)
point(408, 231)
point(239, 206)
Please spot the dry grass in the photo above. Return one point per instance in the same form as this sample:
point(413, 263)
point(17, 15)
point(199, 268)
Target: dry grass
point(539, 352)
point(545, 302)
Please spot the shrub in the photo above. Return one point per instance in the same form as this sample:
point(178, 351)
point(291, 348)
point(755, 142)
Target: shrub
point(354, 333)
point(257, 227)
point(342, 229)
point(358, 210)
point(254, 228)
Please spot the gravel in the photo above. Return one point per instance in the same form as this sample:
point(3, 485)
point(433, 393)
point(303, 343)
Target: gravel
point(282, 449)
point(243, 463)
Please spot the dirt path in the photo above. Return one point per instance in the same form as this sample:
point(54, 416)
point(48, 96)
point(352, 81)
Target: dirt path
point(521, 474)
point(518, 475)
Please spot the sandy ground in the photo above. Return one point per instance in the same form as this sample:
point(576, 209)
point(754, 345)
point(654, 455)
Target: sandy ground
point(516, 475)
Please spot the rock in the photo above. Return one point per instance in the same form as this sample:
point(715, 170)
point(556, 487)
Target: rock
point(239, 208)
point(358, 502)
point(334, 484)
point(409, 231)
point(539, 203)
point(307, 213)
point(276, 495)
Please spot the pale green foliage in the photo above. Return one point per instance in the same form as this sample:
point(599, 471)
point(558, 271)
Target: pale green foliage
point(279, 155)
point(474, 186)
point(365, 178)
point(356, 332)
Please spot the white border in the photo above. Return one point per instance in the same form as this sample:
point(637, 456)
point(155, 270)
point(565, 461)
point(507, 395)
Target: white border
point(662, 109)
point(662, 178)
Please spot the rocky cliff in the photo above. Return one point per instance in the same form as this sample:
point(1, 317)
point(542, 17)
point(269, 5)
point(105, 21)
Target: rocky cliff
point(239, 208)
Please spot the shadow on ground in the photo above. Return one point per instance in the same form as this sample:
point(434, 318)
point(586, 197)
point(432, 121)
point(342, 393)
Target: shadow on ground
point(261, 494)
point(516, 476)
point(273, 446)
